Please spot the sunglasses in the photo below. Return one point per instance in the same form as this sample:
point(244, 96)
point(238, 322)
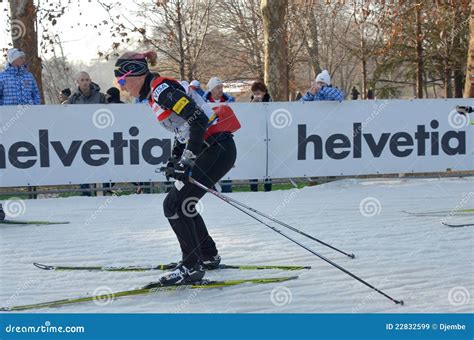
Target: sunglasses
point(121, 80)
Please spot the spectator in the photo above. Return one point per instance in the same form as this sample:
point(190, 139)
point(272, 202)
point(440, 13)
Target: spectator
point(87, 92)
point(216, 93)
point(370, 94)
point(185, 84)
point(196, 86)
point(355, 93)
point(259, 92)
point(113, 96)
point(321, 89)
point(64, 95)
point(17, 85)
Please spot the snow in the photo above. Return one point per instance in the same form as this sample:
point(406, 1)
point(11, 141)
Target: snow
point(417, 259)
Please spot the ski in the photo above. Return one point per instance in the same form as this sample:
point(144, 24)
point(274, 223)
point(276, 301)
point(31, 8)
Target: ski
point(150, 288)
point(162, 267)
point(31, 222)
point(441, 212)
point(458, 225)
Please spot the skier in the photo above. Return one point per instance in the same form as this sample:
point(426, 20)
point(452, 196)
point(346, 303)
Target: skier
point(203, 146)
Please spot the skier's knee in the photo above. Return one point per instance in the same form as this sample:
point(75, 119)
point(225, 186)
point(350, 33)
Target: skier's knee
point(170, 207)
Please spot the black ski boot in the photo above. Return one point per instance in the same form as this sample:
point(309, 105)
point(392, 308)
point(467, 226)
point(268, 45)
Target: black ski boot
point(183, 275)
point(211, 262)
point(2, 213)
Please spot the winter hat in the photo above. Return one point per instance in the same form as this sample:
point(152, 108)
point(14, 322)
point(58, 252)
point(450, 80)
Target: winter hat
point(14, 54)
point(213, 82)
point(185, 85)
point(195, 83)
point(324, 77)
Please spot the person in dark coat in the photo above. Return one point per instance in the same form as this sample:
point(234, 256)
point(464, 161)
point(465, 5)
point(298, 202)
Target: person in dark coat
point(260, 94)
point(355, 93)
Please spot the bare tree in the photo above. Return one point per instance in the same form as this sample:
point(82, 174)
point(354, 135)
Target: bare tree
point(241, 22)
point(176, 29)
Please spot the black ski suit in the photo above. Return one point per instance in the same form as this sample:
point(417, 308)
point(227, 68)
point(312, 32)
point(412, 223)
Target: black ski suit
point(215, 157)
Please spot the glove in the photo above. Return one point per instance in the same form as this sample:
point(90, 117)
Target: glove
point(183, 168)
point(180, 170)
point(168, 170)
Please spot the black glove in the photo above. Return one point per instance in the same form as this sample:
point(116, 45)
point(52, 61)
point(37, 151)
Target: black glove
point(180, 170)
point(184, 167)
point(168, 170)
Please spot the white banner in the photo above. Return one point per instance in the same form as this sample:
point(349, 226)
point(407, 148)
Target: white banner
point(56, 144)
point(368, 137)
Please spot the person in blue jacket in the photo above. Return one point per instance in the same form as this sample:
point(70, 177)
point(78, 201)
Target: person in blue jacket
point(17, 85)
point(321, 89)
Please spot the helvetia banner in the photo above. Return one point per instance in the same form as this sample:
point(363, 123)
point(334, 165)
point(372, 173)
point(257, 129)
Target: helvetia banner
point(54, 144)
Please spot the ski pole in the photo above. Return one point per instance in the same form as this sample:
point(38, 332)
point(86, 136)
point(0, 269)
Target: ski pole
point(229, 201)
point(271, 218)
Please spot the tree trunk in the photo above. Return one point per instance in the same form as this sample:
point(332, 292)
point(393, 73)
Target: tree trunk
point(448, 88)
point(25, 36)
point(419, 53)
point(182, 58)
point(257, 52)
point(364, 66)
point(469, 83)
point(274, 36)
point(312, 43)
point(458, 83)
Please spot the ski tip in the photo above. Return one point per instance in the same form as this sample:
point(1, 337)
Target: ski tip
point(43, 266)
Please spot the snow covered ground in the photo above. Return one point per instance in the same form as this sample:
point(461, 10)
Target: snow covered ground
point(416, 259)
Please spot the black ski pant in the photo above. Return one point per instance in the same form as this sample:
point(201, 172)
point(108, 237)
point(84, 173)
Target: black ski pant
point(211, 165)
